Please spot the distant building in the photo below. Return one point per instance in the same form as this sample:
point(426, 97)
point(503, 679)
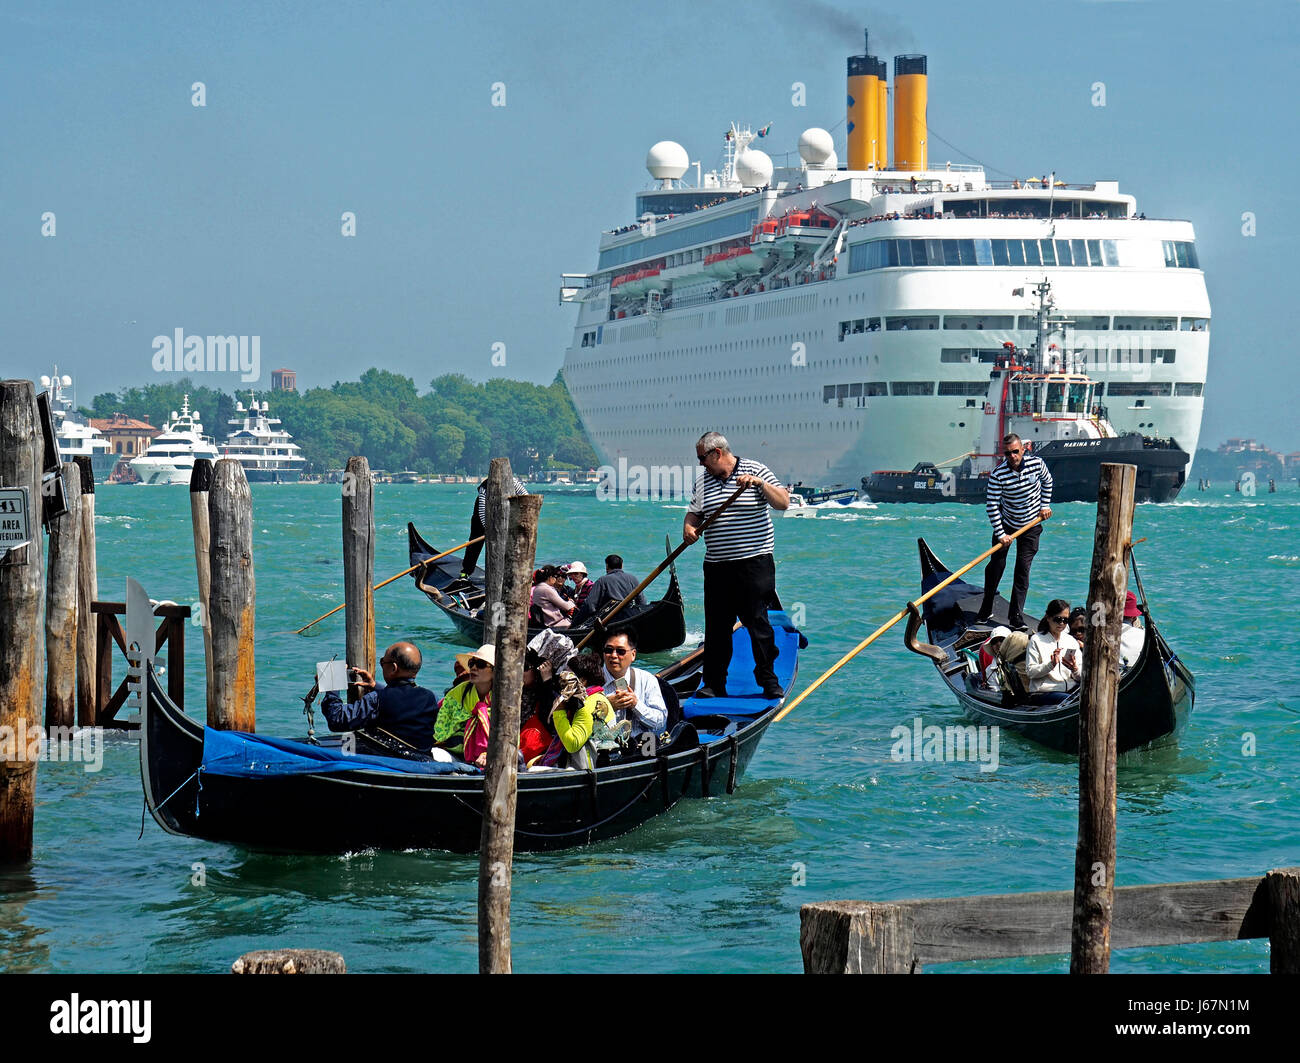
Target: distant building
point(127, 436)
point(284, 380)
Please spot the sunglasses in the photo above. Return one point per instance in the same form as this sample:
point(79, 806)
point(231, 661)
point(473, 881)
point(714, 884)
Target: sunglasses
point(1011, 453)
point(703, 458)
point(617, 651)
point(1061, 619)
point(474, 662)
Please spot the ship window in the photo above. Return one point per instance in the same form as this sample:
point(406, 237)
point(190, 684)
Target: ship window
point(903, 249)
point(1195, 324)
point(1191, 387)
point(1109, 255)
point(1048, 250)
point(855, 391)
point(912, 387)
point(1078, 401)
point(1094, 253)
point(876, 387)
point(1016, 252)
point(1055, 398)
point(1171, 256)
point(1155, 388)
point(1164, 354)
point(978, 321)
point(1079, 249)
point(1184, 258)
point(963, 387)
point(910, 324)
point(1063, 256)
point(1146, 323)
point(951, 254)
point(1091, 323)
point(967, 248)
point(983, 252)
point(1031, 253)
point(919, 256)
point(959, 355)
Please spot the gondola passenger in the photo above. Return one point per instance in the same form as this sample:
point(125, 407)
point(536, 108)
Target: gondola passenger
point(1132, 636)
point(988, 665)
point(399, 707)
point(555, 610)
point(1053, 660)
point(633, 692)
point(578, 709)
point(462, 703)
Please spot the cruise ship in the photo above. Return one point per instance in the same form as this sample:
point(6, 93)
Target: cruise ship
point(170, 457)
point(834, 319)
point(265, 450)
point(76, 440)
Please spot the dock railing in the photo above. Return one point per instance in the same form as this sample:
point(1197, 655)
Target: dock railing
point(108, 630)
point(900, 937)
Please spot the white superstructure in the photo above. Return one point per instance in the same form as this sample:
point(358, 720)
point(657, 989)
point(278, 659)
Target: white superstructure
point(170, 457)
point(834, 321)
point(74, 438)
point(265, 450)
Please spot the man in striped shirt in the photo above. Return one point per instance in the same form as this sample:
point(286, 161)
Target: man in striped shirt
point(1020, 489)
point(478, 523)
point(739, 570)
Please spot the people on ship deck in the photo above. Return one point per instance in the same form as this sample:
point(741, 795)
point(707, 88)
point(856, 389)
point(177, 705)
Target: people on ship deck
point(399, 707)
point(1053, 660)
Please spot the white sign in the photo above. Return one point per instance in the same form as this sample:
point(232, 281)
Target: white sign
point(331, 675)
point(15, 531)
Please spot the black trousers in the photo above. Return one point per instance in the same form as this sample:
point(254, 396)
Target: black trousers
point(471, 552)
point(739, 590)
point(1026, 548)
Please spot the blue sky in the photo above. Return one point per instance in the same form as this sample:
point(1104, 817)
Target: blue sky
point(226, 218)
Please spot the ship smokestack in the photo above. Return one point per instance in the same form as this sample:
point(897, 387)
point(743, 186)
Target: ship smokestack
point(863, 110)
point(882, 115)
point(910, 99)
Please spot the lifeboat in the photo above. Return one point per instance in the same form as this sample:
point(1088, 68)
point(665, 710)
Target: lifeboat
point(746, 262)
point(721, 264)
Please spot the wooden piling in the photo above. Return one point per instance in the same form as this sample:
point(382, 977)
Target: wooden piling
point(200, 487)
point(1284, 911)
point(22, 649)
point(232, 600)
point(87, 592)
point(497, 844)
point(359, 567)
point(857, 937)
point(289, 961)
point(1094, 862)
point(500, 485)
point(61, 616)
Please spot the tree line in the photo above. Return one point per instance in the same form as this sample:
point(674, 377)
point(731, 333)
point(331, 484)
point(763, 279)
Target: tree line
point(456, 426)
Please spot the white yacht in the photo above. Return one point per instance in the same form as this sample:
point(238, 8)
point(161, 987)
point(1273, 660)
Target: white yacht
point(170, 457)
point(74, 438)
point(831, 320)
point(265, 450)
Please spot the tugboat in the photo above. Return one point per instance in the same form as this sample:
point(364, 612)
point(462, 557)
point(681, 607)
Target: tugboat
point(1044, 396)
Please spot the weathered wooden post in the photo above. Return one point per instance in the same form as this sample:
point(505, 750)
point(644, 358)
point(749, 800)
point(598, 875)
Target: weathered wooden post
point(200, 486)
point(87, 592)
point(1284, 917)
point(61, 617)
point(857, 937)
point(1094, 861)
point(497, 844)
point(289, 961)
point(359, 567)
point(232, 600)
point(21, 646)
point(500, 485)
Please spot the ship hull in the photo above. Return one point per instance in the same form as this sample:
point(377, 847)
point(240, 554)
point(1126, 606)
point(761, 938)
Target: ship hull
point(272, 476)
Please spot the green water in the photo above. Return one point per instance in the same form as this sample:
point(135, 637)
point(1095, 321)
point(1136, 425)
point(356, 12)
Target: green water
point(710, 886)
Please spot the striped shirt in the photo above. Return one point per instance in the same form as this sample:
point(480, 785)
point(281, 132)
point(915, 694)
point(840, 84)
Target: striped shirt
point(745, 529)
point(480, 504)
point(1015, 497)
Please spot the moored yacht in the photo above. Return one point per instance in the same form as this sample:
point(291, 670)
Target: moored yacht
point(170, 457)
point(265, 450)
point(74, 438)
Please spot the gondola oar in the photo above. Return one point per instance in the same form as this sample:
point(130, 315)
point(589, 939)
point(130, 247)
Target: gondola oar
point(899, 616)
point(602, 622)
point(404, 572)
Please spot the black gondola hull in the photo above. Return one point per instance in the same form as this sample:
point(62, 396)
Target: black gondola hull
point(1155, 696)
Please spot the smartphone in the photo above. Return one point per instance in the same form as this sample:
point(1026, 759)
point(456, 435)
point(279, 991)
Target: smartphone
point(620, 683)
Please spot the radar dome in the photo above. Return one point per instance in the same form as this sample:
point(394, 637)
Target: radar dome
point(815, 146)
point(45, 381)
point(667, 160)
point(753, 168)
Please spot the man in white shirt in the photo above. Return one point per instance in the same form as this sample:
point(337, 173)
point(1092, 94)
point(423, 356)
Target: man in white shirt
point(1132, 636)
point(638, 698)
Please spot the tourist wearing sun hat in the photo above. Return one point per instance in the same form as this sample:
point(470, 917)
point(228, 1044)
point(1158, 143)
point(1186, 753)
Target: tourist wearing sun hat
point(582, 583)
point(1132, 636)
point(988, 665)
point(466, 701)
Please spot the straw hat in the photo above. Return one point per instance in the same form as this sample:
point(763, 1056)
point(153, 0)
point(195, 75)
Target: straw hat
point(486, 653)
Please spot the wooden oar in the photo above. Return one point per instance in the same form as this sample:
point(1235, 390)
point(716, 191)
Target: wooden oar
point(899, 616)
point(404, 572)
point(604, 621)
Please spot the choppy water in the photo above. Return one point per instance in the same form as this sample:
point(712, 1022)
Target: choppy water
point(710, 886)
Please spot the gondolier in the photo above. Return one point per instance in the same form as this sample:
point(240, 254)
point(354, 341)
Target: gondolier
point(739, 569)
point(1019, 491)
point(478, 524)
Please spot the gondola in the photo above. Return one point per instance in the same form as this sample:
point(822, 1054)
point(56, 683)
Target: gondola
point(288, 795)
point(1155, 694)
point(659, 626)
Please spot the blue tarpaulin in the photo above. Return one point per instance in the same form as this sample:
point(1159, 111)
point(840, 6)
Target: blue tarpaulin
point(251, 756)
point(744, 698)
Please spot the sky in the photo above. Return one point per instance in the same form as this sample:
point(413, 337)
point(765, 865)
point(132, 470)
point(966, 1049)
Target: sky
point(482, 147)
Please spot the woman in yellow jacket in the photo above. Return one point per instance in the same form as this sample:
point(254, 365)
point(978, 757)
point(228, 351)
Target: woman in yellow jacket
point(577, 709)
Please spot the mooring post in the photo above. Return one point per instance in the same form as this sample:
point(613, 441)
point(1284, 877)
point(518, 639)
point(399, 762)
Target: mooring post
point(289, 961)
point(1284, 925)
point(497, 844)
point(359, 568)
point(200, 487)
point(61, 617)
point(232, 600)
point(87, 592)
point(1094, 860)
point(21, 645)
point(857, 937)
point(500, 485)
